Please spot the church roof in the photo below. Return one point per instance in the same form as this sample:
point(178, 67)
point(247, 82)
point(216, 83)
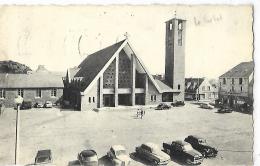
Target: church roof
point(95, 64)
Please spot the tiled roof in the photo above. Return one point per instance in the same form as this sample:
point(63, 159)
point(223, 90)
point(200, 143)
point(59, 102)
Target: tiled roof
point(164, 87)
point(33, 80)
point(192, 84)
point(243, 69)
point(95, 62)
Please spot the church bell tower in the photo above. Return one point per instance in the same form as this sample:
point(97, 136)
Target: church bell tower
point(175, 56)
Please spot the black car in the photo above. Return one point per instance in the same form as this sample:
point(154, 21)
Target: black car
point(225, 109)
point(178, 103)
point(163, 106)
point(43, 157)
point(88, 158)
point(183, 151)
point(201, 145)
point(26, 105)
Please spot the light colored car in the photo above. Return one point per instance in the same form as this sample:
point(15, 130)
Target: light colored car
point(118, 156)
point(48, 104)
point(206, 106)
point(44, 157)
point(151, 152)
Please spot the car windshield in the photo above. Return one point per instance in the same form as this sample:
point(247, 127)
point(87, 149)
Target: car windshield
point(187, 147)
point(120, 152)
point(89, 159)
point(43, 159)
point(202, 141)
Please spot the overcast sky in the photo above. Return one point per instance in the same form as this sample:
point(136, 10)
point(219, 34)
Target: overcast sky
point(217, 37)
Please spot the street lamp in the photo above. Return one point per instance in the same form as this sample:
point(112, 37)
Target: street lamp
point(18, 101)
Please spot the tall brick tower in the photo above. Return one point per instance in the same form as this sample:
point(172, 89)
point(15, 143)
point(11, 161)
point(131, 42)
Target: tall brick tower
point(175, 56)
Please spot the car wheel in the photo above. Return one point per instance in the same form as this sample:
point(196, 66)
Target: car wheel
point(155, 162)
point(203, 154)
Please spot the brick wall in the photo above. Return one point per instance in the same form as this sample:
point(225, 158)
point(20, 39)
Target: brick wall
point(152, 91)
point(87, 102)
point(30, 94)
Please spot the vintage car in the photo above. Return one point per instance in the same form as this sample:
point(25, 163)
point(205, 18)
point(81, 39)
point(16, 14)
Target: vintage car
point(152, 153)
point(26, 105)
point(48, 104)
point(183, 151)
point(118, 156)
point(163, 106)
point(206, 106)
point(43, 157)
point(177, 103)
point(225, 109)
point(88, 158)
point(201, 145)
point(38, 105)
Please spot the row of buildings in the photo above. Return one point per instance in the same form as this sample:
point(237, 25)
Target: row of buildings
point(116, 76)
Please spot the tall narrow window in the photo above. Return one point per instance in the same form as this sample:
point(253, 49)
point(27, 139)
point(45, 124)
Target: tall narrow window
point(224, 81)
point(179, 86)
point(233, 81)
point(240, 81)
point(93, 99)
point(151, 97)
point(89, 99)
point(170, 27)
point(2, 93)
point(154, 97)
point(38, 93)
point(232, 89)
point(53, 92)
point(20, 92)
point(180, 27)
point(241, 88)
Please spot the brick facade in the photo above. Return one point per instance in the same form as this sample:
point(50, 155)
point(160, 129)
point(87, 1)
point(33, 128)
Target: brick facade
point(30, 95)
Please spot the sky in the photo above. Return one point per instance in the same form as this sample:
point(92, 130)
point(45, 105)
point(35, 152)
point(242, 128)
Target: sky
point(217, 37)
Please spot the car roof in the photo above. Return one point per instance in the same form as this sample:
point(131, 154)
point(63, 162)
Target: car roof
point(181, 142)
point(88, 153)
point(118, 147)
point(43, 153)
point(195, 136)
point(150, 144)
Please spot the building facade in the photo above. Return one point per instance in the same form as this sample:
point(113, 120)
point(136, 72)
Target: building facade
point(201, 89)
point(236, 85)
point(34, 87)
point(116, 76)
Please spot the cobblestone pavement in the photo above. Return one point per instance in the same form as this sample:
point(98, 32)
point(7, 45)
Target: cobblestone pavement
point(66, 133)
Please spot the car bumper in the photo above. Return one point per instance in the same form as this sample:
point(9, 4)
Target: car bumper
point(165, 162)
point(196, 162)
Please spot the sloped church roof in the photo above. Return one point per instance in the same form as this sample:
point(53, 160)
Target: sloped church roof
point(95, 64)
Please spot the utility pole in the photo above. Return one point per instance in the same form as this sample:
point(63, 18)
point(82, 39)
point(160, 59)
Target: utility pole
point(17, 141)
point(198, 90)
point(18, 101)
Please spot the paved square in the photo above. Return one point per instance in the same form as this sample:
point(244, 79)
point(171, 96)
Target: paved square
point(66, 133)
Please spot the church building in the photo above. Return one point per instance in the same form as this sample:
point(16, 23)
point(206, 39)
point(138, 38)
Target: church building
point(116, 76)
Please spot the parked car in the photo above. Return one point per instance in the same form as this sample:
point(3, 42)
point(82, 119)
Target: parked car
point(151, 152)
point(38, 105)
point(26, 105)
point(118, 156)
point(183, 151)
point(163, 106)
point(206, 106)
point(88, 158)
point(201, 145)
point(43, 157)
point(225, 109)
point(177, 103)
point(48, 104)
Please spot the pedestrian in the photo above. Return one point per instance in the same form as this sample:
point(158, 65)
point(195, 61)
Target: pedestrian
point(142, 114)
